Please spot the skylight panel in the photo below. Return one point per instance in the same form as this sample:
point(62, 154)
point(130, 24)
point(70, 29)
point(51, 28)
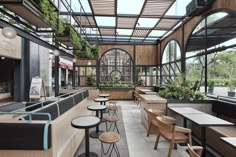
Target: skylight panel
point(124, 6)
point(124, 31)
point(147, 22)
point(92, 31)
point(178, 8)
point(157, 33)
point(105, 21)
point(86, 6)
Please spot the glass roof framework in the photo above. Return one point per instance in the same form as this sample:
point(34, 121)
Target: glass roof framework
point(122, 21)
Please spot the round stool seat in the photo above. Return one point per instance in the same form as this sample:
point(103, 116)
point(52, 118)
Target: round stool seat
point(109, 137)
point(112, 118)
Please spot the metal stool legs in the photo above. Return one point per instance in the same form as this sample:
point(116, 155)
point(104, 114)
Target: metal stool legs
point(115, 127)
point(112, 146)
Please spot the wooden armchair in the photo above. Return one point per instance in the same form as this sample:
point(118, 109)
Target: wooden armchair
point(152, 114)
point(173, 134)
point(195, 151)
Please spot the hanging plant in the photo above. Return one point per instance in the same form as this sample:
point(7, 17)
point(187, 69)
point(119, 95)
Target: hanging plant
point(48, 10)
point(94, 51)
point(75, 37)
point(61, 26)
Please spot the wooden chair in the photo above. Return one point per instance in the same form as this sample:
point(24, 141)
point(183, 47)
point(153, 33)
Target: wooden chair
point(195, 151)
point(152, 114)
point(173, 134)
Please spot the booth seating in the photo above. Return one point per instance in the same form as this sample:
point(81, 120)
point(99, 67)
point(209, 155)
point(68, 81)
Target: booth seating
point(224, 110)
point(37, 136)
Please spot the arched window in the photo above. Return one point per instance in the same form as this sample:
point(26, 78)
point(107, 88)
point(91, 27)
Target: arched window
point(171, 63)
point(116, 65)
point(211, 50)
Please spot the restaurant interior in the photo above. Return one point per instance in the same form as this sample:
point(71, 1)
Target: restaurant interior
point(117, 78)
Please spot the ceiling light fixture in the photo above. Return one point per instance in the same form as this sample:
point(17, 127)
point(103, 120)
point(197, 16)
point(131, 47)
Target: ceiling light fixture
point(74, 60)
point(9, 32)
point(56, 52)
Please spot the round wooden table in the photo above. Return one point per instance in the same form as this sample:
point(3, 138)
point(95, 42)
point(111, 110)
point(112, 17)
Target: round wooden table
point(97, 108)
point(104, 95)
point(86, 122)
point(101, 100)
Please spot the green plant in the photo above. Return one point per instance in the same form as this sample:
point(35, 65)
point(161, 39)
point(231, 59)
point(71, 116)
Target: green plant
point(61, 26)
point(231, 86)
point(94, 51)
point(48, 10)
point(91, 81)
point(180, 90)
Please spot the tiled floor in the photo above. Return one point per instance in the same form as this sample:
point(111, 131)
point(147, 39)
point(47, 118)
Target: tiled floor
point(140, 145)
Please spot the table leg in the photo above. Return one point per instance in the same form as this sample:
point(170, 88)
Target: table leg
point(97, 127)
point(95, 134)
point(87, 142)
point(203, 133)
point(185, 123)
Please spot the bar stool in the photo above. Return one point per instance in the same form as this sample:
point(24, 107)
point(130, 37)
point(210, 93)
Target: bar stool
point(112, 120)
point(109, 138)
point(112, 107)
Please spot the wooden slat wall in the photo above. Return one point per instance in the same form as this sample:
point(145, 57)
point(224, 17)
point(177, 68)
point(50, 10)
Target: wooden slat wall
point(127, 48)
point(146, 55)
point(85, 62)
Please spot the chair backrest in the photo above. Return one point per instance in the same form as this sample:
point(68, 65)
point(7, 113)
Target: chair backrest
point(194, 153)
point(163, 126)
point(152, 113)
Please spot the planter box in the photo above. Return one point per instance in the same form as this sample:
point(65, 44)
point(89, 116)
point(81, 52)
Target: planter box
point(117, 93)
point(66, 38)
point(28, 11)
point(82, 56)
point(115, 88)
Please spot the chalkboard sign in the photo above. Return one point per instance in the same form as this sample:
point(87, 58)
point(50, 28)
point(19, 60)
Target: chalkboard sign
point(36, 88)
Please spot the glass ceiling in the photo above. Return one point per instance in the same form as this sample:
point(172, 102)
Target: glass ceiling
point(127, 20)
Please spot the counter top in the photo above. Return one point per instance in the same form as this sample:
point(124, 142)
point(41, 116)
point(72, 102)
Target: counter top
point(152, 98)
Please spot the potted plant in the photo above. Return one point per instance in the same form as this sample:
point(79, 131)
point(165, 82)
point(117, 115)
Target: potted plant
point(231, 92)
point(91, 81)
point(211, 87)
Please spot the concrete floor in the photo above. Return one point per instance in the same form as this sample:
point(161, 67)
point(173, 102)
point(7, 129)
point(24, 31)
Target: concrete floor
point(140, 145)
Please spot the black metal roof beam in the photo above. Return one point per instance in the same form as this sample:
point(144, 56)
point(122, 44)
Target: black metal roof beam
point(90, 4)
point(124, 15)
point(116, 1)
point(120, 36)
point(111, 27)
point(141, 11)
point(159, 20)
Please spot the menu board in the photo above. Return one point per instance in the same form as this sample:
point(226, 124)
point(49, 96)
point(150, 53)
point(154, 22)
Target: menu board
point(36, 88)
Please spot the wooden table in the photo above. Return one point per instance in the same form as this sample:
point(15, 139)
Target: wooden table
point(101, 100)
point(151, 102)
point(230, 141)
point(97, 108)
point(86, 122)
point(104, 95)
point(144, 90)
point(200, 118)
